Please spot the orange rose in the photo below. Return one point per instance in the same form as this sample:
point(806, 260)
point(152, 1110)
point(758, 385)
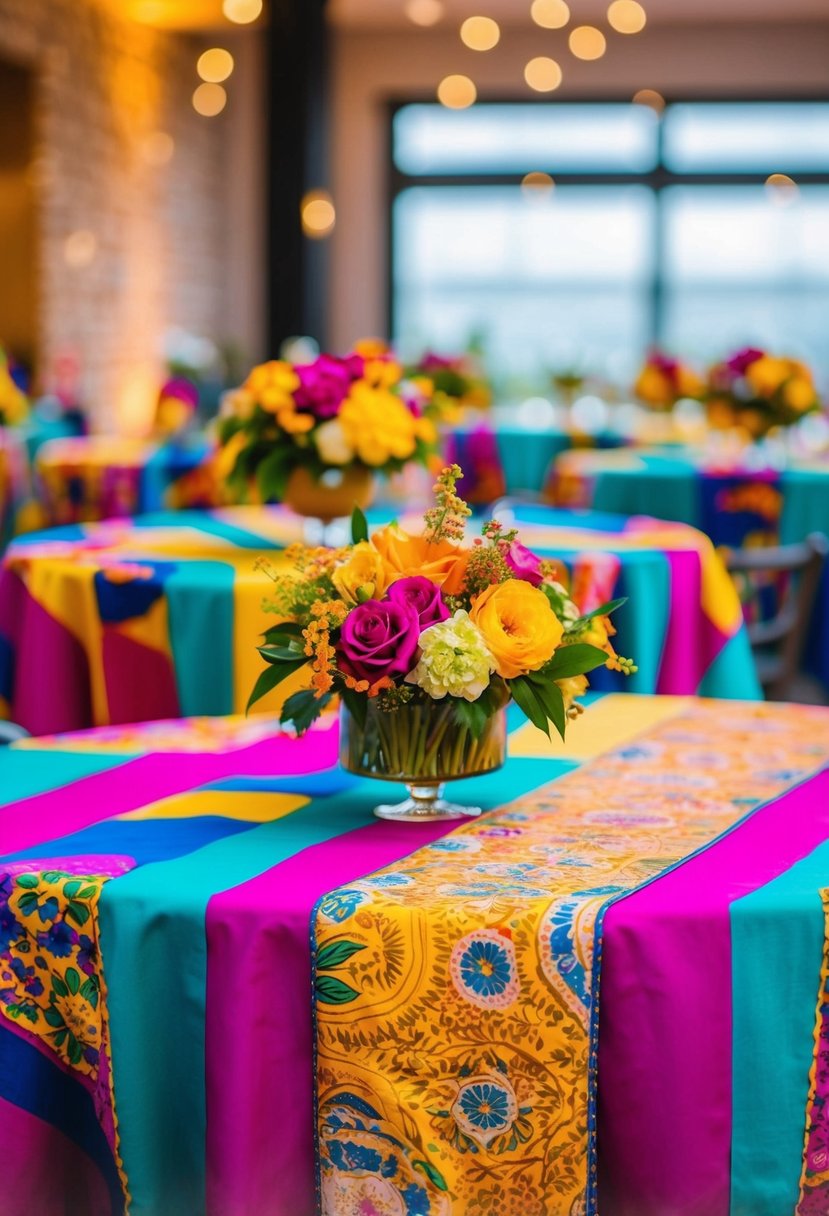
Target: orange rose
point(519, 626)
point(406, 555)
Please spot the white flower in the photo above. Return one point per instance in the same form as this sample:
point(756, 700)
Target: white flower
point(454, 660)
point(332, 443)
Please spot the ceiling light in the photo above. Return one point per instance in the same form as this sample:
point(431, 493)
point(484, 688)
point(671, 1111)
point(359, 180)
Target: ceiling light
point(209, 100)
point(424, 12)
point(551, 14)
point(215, 65)
point(480, 33)
point(626, 16)
point(586, 42)
point(457, 92)
point(542, 74)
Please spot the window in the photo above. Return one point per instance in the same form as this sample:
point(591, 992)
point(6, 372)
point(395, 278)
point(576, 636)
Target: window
point(659, 229)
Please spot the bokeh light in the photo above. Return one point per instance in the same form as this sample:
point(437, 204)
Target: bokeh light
point(542, 74)
point(626, 16)
point(537, 185)
point(157, 148)
point(242, 12)
point(550, 14)
point(782, 190)
point(480, 33)
point(318, 214)
point(457, 92)
point(209, 100)
point(424, 12)
point(80, 247)
point(215, 65)
point(586, 42)
point(649, 97)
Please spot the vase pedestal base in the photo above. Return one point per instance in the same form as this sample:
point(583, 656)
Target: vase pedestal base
point(425, 804)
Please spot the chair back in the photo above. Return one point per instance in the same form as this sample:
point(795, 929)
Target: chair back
point(778, 587)
point(10, 732)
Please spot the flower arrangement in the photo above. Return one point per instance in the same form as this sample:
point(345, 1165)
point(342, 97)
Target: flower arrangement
point(662, 381)
point(758, 391)
point(456, 381)
point(14, 405)
point(426, 639)
point(353, 413)
point(178, 401)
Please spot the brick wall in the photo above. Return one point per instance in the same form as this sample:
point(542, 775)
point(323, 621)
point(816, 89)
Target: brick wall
point(105, 89)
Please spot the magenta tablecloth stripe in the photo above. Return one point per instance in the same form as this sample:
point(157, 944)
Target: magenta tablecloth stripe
point(260, 1151)
point(667, 965)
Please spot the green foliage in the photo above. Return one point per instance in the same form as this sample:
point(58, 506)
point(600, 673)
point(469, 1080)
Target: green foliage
point(331, 991)
point(359, 526)
point(336, 953)
point(303, 708)
point(575, 660)
point(271, 677)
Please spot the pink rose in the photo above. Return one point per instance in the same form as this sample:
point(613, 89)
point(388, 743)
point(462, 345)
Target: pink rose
point(378, 638)
point(524, 563)
point(325, 383)
point(423, 596)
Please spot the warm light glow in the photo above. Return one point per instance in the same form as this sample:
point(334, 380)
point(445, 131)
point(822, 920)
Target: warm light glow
point(586, 42)
point(456, 92)
point(424, 12)
point(782, 189)
point(242, 12)
point(551, 14)
point(209, 100)
point(157, 148)
point(480, 33)
point(318, 214)
point(537, 185)
point(543, 74)
point(215, 65)
point(626, 16)
point(80, 247)
point(649, 97)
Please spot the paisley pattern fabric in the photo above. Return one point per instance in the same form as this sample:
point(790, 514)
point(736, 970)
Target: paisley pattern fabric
point(814, 1180)
point(459, 1078)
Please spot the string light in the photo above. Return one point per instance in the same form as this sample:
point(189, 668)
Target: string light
point(782, 189)
point(542, 74)
point(586, 42)
point(550, 14)
point(457, 92)
point(424, 12)
point(318, 214)
point(242, 12)
point(649, 97)
point(480, 33)
point(209, 100)
point(537, 185)
point(215, 65)
point(626, 16)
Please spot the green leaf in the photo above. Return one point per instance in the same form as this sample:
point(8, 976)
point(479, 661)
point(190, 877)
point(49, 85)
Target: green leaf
point(356, 704)
point(550, 696)
point(574, 660)
point(59, 1038)
point(526, 698)
point(78, 912)
point(53, 875)
point(602, 610)
point(302, 708)
point(59, 987)
point(335, 954)
point(73, 980)
point(281, 634)
point(331, 991)
point(53, 1017)
point(270, 678)
point(75, 1050)
point(359, 526)
point(434, 1175)
point(283, 654)
point(88, 892)
point(473, 715)
point(71, 888)
point(272, 474)
point(29, 881)
point(28, 901)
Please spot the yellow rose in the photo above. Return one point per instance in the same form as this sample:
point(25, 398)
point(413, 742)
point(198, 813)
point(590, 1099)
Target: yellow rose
point(378, 425)
point(406, 555)
point(519, 625)
point(799, 393)
point(653, 387)
point(364, 576)
point(766, 374)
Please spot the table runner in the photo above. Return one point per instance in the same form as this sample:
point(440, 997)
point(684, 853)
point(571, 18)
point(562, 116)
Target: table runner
point(205, 867)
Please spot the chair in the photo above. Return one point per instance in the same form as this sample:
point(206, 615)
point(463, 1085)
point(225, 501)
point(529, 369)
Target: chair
point(781, 583)
point(10, 731)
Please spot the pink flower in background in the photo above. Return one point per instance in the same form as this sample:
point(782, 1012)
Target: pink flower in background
point(379, 638)
point(423, 596)
point(524, 563)
point(325, 383)
point(741, 360)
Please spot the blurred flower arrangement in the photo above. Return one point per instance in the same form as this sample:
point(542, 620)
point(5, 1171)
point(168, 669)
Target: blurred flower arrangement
point(14, 405)
point(290, 425)
point(178, 401)
point(427, 639)
point(457, 381)
point(757, 391)
point(662, 381)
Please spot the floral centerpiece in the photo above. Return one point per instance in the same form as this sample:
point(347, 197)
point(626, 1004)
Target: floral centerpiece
point(178, 401)
point(14, 405)
point(663, 380)
point(313, 435)
point(426, 640)
point(757, 391)
point(456, 381)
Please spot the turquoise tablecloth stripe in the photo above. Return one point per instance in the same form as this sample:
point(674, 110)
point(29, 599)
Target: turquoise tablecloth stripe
point(203, 521)
point(156, 966)
point(777, 934)
point(526, 456)
point(164, 466)
point(664, 487)
point(200, 607)
point(732, 675)
point(805, 504)
point(29, 772)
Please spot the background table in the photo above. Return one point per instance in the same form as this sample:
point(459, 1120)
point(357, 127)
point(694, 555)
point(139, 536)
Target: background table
point(167, 892)
point(102, 476)
point(127, 621)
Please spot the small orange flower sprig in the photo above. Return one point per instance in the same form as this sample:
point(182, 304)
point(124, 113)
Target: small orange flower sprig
point(446, 520)
point(318, 647)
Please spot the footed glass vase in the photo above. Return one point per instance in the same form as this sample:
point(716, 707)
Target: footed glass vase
point(423, 745)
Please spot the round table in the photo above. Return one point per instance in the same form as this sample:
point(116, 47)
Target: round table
point(210, 951)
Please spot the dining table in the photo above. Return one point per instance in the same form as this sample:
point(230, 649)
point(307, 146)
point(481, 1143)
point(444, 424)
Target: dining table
point(227, 988)
point(159, 616)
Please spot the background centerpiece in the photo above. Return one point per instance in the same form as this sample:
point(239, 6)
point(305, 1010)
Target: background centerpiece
point(426, 640)
point(314, 435)
point(756, 391)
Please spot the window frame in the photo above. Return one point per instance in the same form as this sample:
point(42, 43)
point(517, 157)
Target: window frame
point(657, 179)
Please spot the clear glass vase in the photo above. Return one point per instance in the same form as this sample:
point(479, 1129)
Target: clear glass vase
point(423, 745)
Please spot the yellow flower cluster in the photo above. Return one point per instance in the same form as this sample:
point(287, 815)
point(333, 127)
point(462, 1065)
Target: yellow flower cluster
point(378, 426)
point(792, 379)
point(14, 407)
point(272, 386)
